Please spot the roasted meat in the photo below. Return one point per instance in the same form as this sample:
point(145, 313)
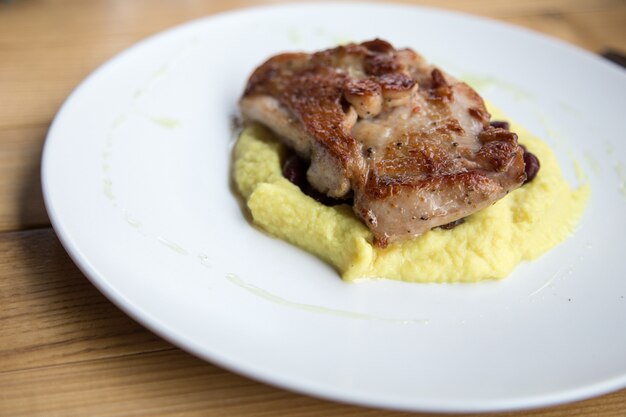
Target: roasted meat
point(411, 144)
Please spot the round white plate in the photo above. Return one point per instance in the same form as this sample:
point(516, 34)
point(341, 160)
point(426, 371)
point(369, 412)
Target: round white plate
point(136, 181)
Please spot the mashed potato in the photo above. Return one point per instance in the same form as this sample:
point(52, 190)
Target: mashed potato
point(522, 226)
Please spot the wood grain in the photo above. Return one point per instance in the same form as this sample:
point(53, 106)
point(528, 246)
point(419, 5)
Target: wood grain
point(48, 59)
point(21, 200)
point(173, 383)
point(63, 343)
point(65, 350)
point(42, 61)
point(595, 31)
point(52, 314)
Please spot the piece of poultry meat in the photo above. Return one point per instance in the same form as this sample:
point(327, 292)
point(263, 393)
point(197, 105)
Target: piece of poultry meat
point(412, 143)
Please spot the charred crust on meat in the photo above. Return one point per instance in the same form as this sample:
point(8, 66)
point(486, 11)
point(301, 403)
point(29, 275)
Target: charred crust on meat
point(379, 64)
point(438, 79)
point(498, 154)
point(440, 89)
point(365, 95)
point(381, 241)
point(396, 82)
point(478, 114)
point(378, 45)
point(499, 150)
point(361, 87)
point(497, 134)
point(450, 126)
point(431, 152)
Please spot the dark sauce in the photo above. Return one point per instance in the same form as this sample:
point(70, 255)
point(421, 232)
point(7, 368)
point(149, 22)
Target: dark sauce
point(531, 165)
point(531, 162)
point(452, 225)
point(502, 124)
point(295, 168)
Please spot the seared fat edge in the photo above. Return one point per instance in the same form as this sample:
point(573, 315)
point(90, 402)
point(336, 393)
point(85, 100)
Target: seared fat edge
point(412, 143)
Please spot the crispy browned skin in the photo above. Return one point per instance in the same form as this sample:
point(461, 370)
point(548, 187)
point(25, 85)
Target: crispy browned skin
point(413, 144)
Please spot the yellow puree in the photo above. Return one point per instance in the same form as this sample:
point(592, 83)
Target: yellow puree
point(522, 226)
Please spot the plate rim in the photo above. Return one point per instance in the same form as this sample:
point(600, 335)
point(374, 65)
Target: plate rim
point(251, 370)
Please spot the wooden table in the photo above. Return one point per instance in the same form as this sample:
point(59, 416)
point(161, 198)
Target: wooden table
point(64, 348)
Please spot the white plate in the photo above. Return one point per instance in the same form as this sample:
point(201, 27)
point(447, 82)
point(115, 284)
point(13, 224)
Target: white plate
point(136, 181)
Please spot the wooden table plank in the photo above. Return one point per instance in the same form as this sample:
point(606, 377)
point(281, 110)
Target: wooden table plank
point(44, 73)
point(172, 382)
point(159, 383)
point(62, 342)
point(44, 70)
point(48, 60)
point(21, 199)
point(595, 31)
point(64, 348)
point(52, 314)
